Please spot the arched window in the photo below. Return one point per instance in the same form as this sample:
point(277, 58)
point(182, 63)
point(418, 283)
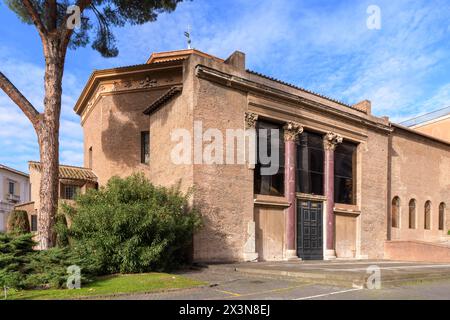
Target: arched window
point(441, 216)
point(427, 216)
point(395, 212)
point(412, 214)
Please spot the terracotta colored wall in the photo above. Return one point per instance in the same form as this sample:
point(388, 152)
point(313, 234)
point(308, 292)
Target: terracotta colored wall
point(420, 170)
point(439, 129)
point(372, 193)
point(224, 193)
point(417, 251)
point(176, 114)
point(113, 128)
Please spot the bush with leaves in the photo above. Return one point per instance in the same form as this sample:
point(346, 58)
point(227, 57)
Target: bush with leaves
point(15, 252)
point(21, 267)
point(131, 226)
point(48, 269)
point(18, 222)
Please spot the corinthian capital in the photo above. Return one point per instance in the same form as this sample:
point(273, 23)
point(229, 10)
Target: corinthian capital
point(331, 140)
point(292, 130)
point(250, 120)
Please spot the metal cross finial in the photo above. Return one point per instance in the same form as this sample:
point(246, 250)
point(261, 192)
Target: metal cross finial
point(187, 34)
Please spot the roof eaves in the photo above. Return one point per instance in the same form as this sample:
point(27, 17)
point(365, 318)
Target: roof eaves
point(166, 97)
point(14, 170)
point(99, 75)
point(298, 88)
point(66, 171)
point(416, 132)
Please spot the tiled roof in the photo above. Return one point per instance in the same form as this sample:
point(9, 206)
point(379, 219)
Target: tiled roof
point(296, 87)
point(69, 172)
point(166, 97)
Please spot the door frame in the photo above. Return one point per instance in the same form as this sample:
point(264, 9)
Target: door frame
point(322, 229)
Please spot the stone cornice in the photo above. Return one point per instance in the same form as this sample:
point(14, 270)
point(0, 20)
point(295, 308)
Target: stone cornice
point(118, 74)
point(243, 84)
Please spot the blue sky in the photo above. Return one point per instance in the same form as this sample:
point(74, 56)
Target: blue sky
point(324, 46)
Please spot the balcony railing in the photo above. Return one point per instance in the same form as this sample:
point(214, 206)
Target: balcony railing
point(13, 197)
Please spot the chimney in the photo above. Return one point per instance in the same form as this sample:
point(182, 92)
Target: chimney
point(237, 60)
point(364, 106)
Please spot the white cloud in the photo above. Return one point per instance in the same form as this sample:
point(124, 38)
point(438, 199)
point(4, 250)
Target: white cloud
point(325, 47)
point(18, 139)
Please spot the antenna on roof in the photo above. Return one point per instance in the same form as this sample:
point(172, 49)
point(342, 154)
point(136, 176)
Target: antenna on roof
point(187, 34)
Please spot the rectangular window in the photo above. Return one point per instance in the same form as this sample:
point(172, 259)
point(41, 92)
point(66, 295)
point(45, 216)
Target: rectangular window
point(90, 158)
point(11, 187)
point(345, 173)
point(34, 222)
point(269, 184)
point(70, 192)
point(310, 157)
point(145, 147)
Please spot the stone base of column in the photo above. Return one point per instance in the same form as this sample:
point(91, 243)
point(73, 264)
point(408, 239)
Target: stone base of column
point(251, 256)
point(291, 255)
point(330, 255)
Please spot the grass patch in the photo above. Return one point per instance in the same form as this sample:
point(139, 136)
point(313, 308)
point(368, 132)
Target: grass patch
point(111, 285)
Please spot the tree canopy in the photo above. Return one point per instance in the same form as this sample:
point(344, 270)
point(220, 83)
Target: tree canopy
point(97, 18)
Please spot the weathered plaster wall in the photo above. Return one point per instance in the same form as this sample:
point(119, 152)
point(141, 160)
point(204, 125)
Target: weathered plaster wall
point(224, 193)
point(113, 131)
point(372, 181)
point(175, 115)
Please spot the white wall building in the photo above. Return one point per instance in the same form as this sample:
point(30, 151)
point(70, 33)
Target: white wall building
point(14, 190)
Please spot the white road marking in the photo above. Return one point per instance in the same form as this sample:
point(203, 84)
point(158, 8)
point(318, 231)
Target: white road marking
point(390, 268)
point(314, 265)
point(328, 294)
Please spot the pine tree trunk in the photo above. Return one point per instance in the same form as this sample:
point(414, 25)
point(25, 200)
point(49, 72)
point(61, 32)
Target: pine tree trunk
point(49, 143)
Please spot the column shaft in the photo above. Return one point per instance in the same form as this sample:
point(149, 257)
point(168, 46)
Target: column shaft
point(331, 140)
point(329, 193)
point(289, 181)
point(291, 132)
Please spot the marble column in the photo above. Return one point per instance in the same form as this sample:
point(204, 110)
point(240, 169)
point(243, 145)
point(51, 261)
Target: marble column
point(291, 132)
point(331, 140)
point(250, 120)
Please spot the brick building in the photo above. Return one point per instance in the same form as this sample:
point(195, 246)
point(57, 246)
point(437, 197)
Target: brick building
point(348, 182)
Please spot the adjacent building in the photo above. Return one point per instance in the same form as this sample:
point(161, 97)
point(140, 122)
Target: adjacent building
point(346, 185)
point(14, 190)
point(436, 124)
point(72, 181)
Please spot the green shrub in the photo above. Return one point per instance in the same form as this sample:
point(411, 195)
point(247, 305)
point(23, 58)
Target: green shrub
point(131, 226)
point(48, 269)
point(18, 222)
point(15, 253)
point(23, 268)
